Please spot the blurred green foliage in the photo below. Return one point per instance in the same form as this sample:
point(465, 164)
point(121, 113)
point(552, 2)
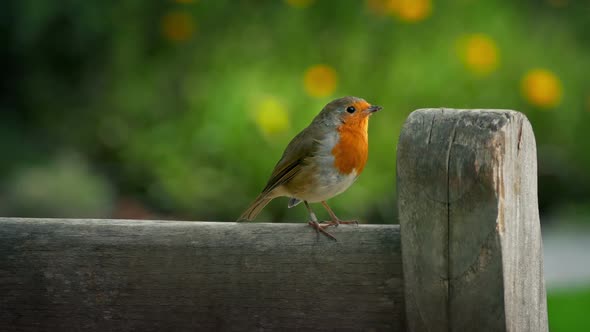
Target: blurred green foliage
point(160, 99)
point(568, 310)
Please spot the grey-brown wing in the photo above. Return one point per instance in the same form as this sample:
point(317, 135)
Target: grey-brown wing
point(293, 158)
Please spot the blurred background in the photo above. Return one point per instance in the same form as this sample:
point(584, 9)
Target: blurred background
point(180, 109)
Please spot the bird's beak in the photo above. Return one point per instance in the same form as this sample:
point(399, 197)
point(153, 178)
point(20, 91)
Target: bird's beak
point(373, 109)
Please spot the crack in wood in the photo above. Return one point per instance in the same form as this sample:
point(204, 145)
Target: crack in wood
point(431, 127)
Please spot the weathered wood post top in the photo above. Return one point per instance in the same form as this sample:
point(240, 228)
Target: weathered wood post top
point(471, 241)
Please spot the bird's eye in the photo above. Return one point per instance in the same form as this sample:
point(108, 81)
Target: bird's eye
point(350, 109)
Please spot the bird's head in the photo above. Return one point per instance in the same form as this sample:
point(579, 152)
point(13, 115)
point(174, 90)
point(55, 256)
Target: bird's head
point(351, 111)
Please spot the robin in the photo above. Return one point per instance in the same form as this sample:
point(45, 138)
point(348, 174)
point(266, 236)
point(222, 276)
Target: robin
point(322, 161)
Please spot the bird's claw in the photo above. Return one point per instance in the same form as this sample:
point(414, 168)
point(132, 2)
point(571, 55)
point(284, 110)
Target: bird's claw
point(320, 229)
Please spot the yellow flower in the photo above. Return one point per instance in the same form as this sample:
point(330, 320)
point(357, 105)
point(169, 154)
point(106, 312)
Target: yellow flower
point(479, 54)
point(299, 3)
point(271, 116)
point(178, 26)
point(411, 10)
point(320, 81)
point(541, 88)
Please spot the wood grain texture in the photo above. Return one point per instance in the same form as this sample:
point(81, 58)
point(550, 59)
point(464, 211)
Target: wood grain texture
point(471, 241)
point(107, 275)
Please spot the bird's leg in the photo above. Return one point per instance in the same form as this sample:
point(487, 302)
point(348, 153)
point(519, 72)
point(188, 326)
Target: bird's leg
point(314, 223)
point(335, 220)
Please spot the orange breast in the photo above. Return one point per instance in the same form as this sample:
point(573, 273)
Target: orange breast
point(352, 150)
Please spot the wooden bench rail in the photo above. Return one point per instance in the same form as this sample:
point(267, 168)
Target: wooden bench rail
point(123, 275)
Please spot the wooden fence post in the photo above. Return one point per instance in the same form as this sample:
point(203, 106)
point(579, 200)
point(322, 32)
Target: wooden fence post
point(471, 241)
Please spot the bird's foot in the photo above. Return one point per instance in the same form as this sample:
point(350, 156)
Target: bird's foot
point(337, 222)
point(321, 229)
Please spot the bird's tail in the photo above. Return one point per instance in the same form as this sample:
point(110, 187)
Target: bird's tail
point(254, 209)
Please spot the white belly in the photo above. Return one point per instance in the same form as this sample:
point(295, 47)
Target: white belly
point(329, 184)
